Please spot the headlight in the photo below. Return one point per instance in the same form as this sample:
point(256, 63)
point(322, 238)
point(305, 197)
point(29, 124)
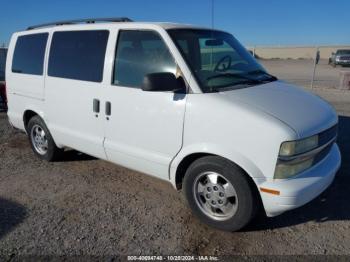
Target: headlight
point(337, 58)
point(297, 156)
point(285, 170)
point(291, 161)
point(291, 148)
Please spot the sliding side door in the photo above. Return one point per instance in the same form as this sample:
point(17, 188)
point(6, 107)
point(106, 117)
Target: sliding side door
point(74, 88)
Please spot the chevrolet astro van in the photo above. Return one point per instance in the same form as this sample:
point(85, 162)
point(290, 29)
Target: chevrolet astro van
point(185, 104)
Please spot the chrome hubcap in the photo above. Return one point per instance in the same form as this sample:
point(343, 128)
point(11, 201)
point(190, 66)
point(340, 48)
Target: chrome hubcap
point(215, 196)
point(39, 140)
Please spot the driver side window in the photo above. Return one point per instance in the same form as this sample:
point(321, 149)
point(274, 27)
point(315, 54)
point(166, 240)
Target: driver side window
point(140, 53)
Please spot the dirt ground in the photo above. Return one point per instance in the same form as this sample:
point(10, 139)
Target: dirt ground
point(85, 206)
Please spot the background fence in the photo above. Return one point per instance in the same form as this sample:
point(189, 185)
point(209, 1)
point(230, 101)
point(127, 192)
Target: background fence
point(297, 64)
point(295, 52)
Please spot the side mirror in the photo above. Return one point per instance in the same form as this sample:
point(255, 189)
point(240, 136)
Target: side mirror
point(333, 53)
point(160, 82)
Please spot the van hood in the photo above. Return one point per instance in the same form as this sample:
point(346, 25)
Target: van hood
point(306, 113)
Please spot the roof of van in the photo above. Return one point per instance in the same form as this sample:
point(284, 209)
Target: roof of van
point(109, 21)
point(168, 25)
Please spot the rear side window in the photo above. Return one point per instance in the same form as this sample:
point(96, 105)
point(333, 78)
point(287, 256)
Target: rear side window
point(78, 55)
point(28, 57)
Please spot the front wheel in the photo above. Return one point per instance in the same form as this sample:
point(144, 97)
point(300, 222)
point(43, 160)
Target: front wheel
point(219, 193)
point(41, 140)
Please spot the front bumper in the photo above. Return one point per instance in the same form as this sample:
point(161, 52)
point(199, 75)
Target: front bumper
point(343, 62)
point(297, 191)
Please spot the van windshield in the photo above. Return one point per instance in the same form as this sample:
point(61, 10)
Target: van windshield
point(343, 52)
point(218, 61)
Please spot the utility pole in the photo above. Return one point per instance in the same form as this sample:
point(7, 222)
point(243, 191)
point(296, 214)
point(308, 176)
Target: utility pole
point(212, 27)
point(314, 70)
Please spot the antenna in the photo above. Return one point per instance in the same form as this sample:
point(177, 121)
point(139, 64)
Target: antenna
point(212, 27)
point(212, 14)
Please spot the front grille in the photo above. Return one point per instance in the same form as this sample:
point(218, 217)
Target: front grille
point(327, 135)
point(324, 137)
point(344, 58)
point(321, 155)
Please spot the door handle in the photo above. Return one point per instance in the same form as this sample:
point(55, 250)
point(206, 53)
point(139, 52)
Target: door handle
point(108, 109)
point(96, 106)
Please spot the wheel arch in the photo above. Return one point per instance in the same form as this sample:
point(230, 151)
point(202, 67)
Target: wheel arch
point(184, 165)
point(188, 156)
point(31, 110)
point(29, 113)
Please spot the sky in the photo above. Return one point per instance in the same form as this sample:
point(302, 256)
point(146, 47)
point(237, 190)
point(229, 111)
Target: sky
point(253, 22)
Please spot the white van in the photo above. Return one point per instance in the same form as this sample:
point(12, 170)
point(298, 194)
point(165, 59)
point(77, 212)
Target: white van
point(184, 104)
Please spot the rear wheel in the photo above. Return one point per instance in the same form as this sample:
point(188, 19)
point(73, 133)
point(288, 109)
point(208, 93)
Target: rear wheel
point(41, 140)
point(219, 193)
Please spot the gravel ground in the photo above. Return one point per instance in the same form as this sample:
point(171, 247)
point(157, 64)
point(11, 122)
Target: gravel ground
point(85, 206)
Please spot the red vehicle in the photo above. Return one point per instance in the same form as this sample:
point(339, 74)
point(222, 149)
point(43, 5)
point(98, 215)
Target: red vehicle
point(3, 98)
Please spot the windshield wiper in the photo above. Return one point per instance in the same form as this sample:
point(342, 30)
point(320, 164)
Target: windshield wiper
point(236, 75)
point(247, 81)
point(234, 85)
point(259, 71)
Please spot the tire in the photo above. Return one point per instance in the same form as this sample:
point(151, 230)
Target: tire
point(41, 140)
point(241, 202)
